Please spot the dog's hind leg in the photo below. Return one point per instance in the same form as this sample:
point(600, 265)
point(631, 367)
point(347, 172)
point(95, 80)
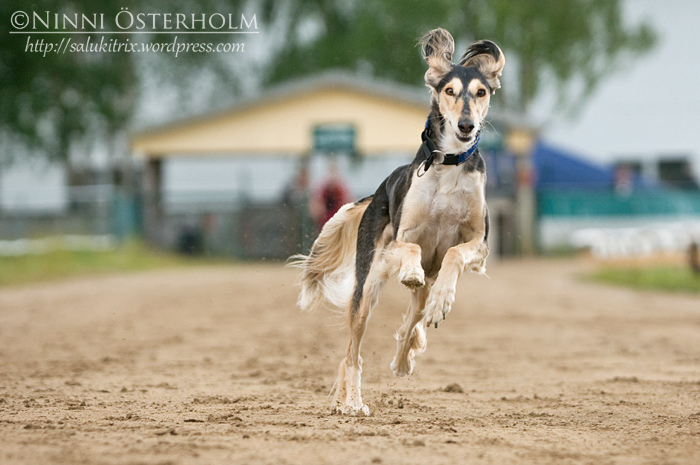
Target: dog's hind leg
point(348, 396)
point(410, 337)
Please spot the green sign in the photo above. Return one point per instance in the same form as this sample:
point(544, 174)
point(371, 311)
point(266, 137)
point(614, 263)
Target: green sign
point(334, 138)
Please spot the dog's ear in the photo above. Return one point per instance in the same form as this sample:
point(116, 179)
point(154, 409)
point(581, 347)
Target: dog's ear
point(437, 47)
point(488, 58)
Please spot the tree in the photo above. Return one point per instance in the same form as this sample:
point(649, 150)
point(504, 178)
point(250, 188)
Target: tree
point(568, 44)
point(51, 101)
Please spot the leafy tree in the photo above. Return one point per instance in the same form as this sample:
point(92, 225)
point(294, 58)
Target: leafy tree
point(567, 44)
point(47, 100)
point(51, 101)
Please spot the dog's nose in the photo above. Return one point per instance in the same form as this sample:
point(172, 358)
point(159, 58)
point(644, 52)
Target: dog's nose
point(466, 125)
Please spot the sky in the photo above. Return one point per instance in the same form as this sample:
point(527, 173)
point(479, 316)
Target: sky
point(650, 109)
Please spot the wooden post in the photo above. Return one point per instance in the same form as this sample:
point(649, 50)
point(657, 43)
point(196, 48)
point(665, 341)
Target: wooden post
point(153, 202)
point(694, 258)
point(521, 141)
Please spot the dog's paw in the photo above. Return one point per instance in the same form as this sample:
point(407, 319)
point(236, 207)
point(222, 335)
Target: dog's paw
point(412, 276)
point(439, 305)
point(479, 268)
point(352, 410)
point(403, 367)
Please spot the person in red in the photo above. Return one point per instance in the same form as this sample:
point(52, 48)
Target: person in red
point(332, 195)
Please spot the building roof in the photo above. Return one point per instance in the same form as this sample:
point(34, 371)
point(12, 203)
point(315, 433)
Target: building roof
point(387, 117)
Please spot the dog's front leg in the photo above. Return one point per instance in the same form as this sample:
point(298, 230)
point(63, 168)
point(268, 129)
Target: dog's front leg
point(472, 256)
point(403, 260)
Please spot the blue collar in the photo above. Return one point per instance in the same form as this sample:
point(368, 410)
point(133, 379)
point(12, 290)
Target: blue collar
point(464, 156)
point(431, 150)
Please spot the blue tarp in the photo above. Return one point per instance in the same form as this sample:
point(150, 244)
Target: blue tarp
point(558, 169)
point(568, 185)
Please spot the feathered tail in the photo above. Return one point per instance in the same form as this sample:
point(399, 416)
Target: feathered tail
point(328, 272)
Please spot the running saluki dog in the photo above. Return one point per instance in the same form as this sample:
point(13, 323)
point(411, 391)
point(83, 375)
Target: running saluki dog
point(426, 223)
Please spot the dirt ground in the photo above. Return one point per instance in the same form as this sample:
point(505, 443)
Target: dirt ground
point(216, 365)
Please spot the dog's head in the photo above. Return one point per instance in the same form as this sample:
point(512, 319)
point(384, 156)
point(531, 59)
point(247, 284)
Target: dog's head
point(461, 92)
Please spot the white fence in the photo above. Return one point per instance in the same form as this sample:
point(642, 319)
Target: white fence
point(658, 238)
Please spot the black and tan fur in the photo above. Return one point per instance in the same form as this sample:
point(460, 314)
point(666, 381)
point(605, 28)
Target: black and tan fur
point(424, 227)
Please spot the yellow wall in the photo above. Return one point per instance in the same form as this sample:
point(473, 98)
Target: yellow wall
point(285, 126)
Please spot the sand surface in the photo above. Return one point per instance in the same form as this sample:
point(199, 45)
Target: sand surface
point(215, 365)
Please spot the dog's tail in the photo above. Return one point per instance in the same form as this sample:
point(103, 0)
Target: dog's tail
point(328, 272)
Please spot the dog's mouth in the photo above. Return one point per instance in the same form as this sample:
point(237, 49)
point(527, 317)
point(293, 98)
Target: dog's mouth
point(464, 138)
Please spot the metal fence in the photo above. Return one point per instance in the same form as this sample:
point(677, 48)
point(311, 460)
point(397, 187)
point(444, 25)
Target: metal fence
point(595, 203)
point(90, 210)
point(245, 230)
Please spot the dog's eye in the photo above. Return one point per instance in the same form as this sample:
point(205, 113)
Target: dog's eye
point(449, 91)
point(481, 93)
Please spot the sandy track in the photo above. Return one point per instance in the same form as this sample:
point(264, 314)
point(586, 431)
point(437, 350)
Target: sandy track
point(215, 365)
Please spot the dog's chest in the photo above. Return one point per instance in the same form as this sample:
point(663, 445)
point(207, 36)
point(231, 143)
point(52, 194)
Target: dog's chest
point(440, 205)
point(451, 204)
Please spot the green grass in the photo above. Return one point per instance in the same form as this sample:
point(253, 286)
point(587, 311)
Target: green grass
point(658, 278)
point(60, 264)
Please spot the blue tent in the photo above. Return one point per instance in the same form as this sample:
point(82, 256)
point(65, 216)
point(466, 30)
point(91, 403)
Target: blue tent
point(557, 169)
point(570, 186)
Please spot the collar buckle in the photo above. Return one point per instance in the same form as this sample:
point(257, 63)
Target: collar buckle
point(438, 156)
